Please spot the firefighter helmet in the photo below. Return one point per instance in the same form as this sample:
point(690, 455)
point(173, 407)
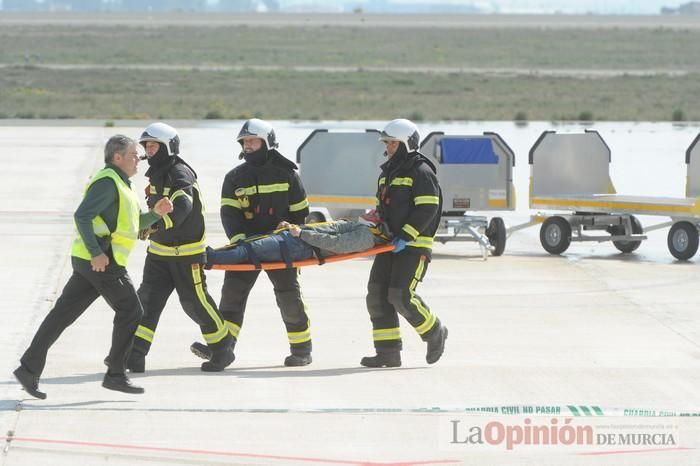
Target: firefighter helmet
point(258, 129)
point(403, 131)
point(164, 134)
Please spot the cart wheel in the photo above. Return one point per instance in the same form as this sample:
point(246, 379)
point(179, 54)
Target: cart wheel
point(315, 217)
point(496, 233)
point(630, 246)
point(683, 240)
point(555, 235)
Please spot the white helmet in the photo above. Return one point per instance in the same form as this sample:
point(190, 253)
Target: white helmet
point(403, 131)
point(164, 134)
point(259, 129)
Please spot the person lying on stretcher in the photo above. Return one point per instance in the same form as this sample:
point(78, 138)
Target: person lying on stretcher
point(299, 242)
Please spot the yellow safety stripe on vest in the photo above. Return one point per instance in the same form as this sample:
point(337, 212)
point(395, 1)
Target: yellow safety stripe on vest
point(172, 251)
point(166, 191)
point(421, 242)
point(232, 328)
point(406, 181)
point(382, 180)
point(118, 249)
point(299, 337)
point(167, 221)
point(236, 238)
point(385, 334)
point(100, 227)
point(179, 193)
point(419, 200)
point(299, 206)
point(412, 232)
point(144, 333)
point(199, 289)
point(235, 203)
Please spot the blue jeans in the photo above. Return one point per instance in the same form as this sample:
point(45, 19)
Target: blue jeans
point(266, 249)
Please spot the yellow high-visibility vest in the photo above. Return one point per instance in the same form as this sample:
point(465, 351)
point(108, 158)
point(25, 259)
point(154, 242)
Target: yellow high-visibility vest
point(125, 235)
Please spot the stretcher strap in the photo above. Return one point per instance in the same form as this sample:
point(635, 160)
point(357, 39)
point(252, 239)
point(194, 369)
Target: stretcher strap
point(284, 250)
point(318, 255)
point(252, 256)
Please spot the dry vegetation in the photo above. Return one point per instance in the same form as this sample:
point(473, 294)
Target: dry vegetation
point(350, 73)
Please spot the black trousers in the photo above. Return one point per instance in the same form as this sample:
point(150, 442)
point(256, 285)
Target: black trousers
point(160, 278)
point(234, 296)
point(391, 291)
point(82, 289)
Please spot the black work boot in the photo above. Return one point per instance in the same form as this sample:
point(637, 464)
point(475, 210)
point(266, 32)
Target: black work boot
point(201, 350)
point(120, 383)
point(136, 363)
point(29, 382)
point(296, 360)
point(220, 360)
point(383, 359)
point(436, 345)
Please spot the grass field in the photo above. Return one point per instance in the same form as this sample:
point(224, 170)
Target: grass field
point(480, 73)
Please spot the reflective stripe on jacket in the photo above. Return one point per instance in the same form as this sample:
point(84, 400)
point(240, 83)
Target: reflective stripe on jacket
point(181, 234)
point(255, 199)
point(409, 199)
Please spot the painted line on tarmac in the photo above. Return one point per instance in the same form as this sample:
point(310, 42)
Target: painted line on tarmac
point(500, 410)
point(577, 73)
point(119, 446)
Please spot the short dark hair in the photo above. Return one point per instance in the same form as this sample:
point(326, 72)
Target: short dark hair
point(117, 144)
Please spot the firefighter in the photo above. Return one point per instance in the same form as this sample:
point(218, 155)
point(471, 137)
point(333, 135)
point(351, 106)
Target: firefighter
point(176, 253)
point(409, 200)
point(257, 196)
point(107, 223)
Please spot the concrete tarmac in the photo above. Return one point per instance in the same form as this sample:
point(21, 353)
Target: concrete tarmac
point(592, 340)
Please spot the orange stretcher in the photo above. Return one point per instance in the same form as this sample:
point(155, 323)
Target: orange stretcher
point(313, 261)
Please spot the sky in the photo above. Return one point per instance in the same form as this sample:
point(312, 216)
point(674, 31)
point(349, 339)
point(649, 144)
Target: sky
point(516, 6)
point(534, 6)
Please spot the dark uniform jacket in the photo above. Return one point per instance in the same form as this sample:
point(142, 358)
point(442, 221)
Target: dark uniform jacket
point(180, 234)
point(254, 199)
point(409, 199)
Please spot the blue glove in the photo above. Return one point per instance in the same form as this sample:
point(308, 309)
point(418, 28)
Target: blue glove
point(399, 245)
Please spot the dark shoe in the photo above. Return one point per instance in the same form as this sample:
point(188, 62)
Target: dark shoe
point(436, 345)
point(296, 360)
point(120, 383)
point(136, 363)
point(220, 360)
point(388, 359)
point(201, 350)
point(29, 382)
